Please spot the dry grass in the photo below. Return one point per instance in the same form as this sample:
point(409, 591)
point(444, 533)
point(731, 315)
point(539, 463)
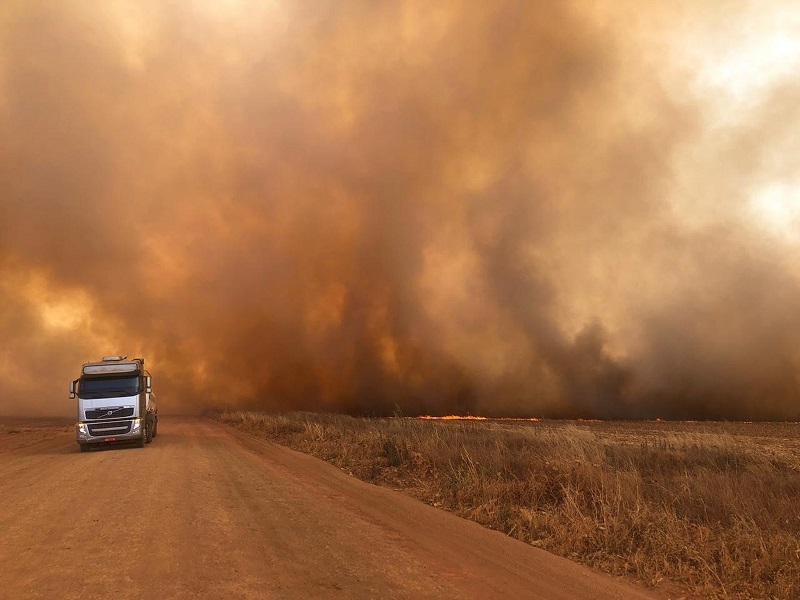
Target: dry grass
point(713, 508)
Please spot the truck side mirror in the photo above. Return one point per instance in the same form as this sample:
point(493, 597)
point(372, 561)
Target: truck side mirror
point(148, 384)
point(72, 389)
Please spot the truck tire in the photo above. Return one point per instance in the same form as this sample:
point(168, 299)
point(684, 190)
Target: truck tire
point(84, 447)
point(148, 433)
point(155, 427)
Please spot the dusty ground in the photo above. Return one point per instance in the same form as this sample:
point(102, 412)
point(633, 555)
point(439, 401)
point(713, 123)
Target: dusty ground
point(16, 432)
point(209, 512)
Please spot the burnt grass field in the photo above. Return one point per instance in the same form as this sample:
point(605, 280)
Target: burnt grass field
point(707, 509)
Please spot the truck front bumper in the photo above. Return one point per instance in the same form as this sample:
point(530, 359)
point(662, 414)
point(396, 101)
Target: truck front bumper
point(120, 430)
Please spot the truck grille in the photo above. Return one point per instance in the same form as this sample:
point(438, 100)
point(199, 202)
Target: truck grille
point(116, 413)
point(109, 428)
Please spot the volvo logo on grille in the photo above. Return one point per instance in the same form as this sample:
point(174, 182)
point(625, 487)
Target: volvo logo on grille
point(109, 412)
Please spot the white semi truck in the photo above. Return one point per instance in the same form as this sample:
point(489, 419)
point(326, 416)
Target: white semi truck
point(116, 403)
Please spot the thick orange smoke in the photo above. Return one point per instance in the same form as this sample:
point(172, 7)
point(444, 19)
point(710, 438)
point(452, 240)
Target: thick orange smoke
point(522, 208)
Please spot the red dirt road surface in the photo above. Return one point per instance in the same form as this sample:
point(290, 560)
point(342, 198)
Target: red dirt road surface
point(208, 512)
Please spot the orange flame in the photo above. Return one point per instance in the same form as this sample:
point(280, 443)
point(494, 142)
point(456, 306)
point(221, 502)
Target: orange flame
point(472, 418)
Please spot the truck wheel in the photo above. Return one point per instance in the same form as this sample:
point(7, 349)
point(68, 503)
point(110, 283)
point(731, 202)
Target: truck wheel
point(155, 427)
point(84, 447)
point(148, 433)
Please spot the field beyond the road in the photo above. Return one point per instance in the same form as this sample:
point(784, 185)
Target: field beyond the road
point(710, 509)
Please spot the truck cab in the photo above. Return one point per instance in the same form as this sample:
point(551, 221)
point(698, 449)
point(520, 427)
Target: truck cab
point(116, 403)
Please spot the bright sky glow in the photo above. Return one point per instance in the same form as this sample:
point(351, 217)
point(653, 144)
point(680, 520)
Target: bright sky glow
point(738, 60)
point(777, 207)
point(741, 51)
point(761, 61)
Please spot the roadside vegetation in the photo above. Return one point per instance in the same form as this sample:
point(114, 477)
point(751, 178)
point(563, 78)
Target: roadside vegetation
point(711, 508)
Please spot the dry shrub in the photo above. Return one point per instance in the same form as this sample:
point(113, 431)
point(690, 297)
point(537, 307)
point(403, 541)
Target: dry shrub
point(716, 513)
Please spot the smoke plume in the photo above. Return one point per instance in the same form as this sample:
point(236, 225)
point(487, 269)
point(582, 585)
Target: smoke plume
point(511, 208)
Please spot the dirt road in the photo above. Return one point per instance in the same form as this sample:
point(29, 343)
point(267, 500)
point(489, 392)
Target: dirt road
point(209, 512)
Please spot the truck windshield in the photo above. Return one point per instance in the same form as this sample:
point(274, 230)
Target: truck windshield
point(108, 387)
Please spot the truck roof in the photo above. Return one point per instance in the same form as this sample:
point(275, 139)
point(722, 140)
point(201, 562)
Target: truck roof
point(113, 364)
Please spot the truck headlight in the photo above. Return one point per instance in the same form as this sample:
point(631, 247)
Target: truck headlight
point(83, 430)
point(137, 426)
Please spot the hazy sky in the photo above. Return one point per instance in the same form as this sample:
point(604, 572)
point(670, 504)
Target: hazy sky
point(585, 208)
